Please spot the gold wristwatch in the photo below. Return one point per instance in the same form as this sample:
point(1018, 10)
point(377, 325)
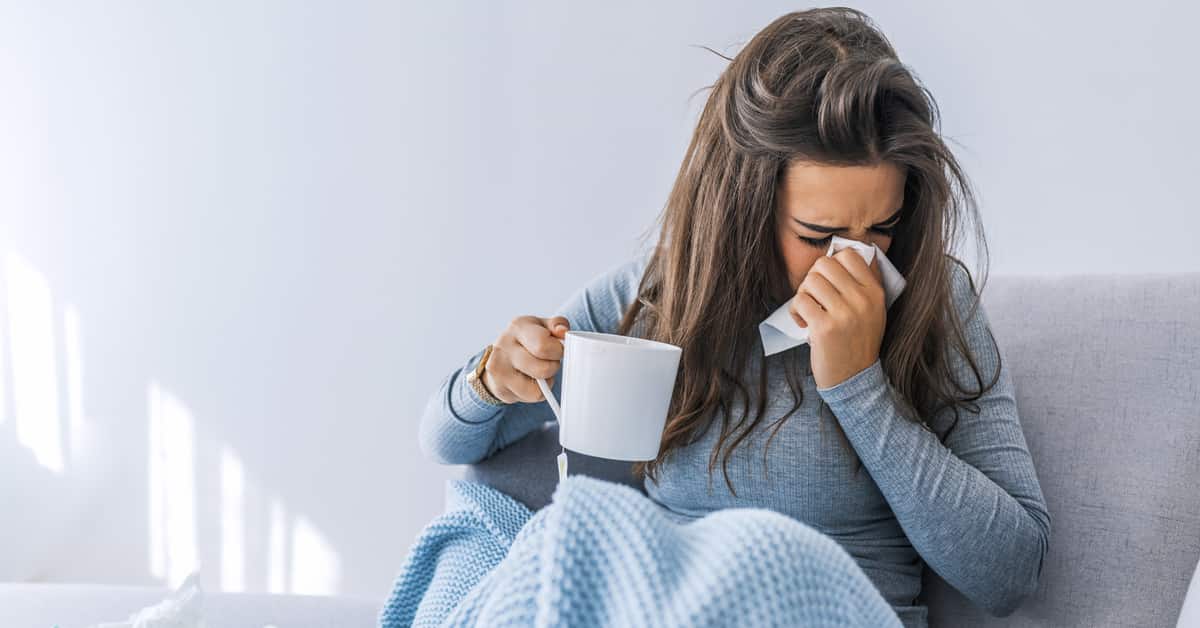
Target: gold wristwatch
point(475, 379)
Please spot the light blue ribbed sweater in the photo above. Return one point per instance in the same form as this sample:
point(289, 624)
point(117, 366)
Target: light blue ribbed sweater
point(971, 509)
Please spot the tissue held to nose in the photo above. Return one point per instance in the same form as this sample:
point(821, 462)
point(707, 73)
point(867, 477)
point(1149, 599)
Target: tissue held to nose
point(781, 332)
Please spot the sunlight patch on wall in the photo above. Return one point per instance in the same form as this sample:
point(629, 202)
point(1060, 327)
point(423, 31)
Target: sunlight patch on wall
point(277, 546)
point(73, 345)
point(233, 517)
point(32, 359)
point(172, 474)
point(316, 568)
point(3, 363)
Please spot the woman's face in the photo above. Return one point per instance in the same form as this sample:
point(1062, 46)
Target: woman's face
point(817, 201)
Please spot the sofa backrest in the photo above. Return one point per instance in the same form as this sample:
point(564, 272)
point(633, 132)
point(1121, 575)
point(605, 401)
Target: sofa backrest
point(1107, 373)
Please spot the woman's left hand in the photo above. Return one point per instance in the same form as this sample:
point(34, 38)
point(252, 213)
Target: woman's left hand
point(841, 301)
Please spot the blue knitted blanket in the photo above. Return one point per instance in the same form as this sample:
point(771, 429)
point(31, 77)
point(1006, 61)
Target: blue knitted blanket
point(604, 554)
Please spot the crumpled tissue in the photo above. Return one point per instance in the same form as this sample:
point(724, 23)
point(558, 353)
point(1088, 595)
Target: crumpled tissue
point(780, 331)
point(181, 609)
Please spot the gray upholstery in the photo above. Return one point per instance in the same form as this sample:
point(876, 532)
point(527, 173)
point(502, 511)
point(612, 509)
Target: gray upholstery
point(527, 470)
point(1107, 372)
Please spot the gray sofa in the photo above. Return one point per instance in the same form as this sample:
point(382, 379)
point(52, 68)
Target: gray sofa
point(1107, 371)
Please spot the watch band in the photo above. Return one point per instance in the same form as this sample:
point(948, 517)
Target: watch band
point(475, 379)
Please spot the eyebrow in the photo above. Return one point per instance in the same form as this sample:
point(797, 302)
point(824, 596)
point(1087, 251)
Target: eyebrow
point(824, 229)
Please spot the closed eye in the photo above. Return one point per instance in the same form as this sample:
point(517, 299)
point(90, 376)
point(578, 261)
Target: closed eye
point(886, 227)
point(886, 231)
point(817, 242)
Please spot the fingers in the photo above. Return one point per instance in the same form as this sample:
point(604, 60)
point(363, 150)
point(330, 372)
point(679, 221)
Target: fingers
point(833, 271)
point(823, 291)
point(558, 325)
point(514, 384)
point(869, 276)
point(526, 389)
point(805, 310)
point(533, 334)
point(534, 366)
point(855, 265)
point(530, 348)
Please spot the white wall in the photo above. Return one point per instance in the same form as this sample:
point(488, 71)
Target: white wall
point(259, 234)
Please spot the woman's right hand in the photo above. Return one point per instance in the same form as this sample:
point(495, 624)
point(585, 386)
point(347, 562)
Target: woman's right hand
point(530, 348)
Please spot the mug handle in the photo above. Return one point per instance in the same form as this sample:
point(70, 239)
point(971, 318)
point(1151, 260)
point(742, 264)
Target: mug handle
point(549, 395)
point(550, 399)
point(553, 402)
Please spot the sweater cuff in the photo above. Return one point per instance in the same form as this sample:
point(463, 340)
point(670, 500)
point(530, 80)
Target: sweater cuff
point(865, 381)
point(466, 405)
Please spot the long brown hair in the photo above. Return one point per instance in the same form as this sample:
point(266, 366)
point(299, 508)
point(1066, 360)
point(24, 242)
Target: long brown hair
point(825, 86)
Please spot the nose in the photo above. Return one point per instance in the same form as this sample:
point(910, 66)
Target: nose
point(861, 235)
point(868, 236)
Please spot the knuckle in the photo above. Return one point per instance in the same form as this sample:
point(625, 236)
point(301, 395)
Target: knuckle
point(498, 358)
point(521, 366)
point(530, 391)
point(501, 376)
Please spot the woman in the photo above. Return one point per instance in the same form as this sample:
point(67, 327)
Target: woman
point(814, 129)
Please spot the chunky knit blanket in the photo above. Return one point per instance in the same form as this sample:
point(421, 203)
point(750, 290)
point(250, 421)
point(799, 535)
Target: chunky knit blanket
point(603, 554)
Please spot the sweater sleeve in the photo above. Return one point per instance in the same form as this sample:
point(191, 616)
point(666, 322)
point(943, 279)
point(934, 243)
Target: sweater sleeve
point(972, 508)
point(459, 427)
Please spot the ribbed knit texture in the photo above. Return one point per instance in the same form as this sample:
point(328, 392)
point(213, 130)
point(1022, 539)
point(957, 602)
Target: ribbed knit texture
point(969, 507)
point(603, 554)
point(453, 553)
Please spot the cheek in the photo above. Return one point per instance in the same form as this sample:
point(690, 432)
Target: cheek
point(798, 256)
point(884, 243)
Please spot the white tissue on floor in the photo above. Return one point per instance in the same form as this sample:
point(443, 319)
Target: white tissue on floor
point(181, 609)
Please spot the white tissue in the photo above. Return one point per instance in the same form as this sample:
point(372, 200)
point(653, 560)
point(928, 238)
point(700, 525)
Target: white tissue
point(181, 609)
point(780, 331)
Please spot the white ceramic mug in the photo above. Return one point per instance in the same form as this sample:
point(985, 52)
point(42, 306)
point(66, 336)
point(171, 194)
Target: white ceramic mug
point(616, 391)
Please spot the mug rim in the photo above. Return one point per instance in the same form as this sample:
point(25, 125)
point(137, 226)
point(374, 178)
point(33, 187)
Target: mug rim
point(608, 340)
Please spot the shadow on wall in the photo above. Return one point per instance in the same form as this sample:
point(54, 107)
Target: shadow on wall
point(191, 494)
